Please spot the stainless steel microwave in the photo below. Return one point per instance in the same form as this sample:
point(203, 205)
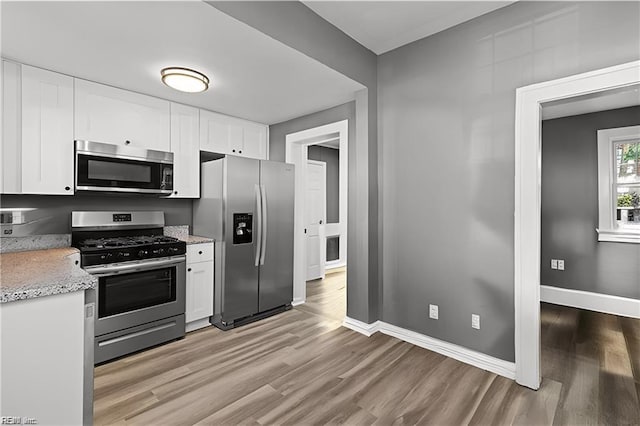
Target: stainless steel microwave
point(105, 167)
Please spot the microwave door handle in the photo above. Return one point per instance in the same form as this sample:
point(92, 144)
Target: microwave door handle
point(263, 221)
point(258, 223)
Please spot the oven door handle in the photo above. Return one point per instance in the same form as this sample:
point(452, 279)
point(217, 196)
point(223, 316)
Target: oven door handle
point(146, 266)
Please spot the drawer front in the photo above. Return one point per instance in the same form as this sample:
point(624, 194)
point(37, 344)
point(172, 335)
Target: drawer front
point(199, 252)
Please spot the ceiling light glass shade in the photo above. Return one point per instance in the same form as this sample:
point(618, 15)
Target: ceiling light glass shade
point(184, 79)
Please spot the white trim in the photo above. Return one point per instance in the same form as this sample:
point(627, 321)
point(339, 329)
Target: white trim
point(527, 201)
point(618, 236)
point(197, 324)
point(361, 327)
point(598, 302)
point(296, 152)
point(476, 359)
point(608, 230)
point(297, 302)
point(334, 264)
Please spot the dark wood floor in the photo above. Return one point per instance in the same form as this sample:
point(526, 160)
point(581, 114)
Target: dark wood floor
point(302, 367)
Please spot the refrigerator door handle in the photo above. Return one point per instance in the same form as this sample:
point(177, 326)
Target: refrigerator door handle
point(263, 222)
point(258, 238)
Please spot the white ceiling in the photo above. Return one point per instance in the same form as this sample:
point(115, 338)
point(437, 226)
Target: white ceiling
point(125, 44)
point(381, 26)
point(592, 102)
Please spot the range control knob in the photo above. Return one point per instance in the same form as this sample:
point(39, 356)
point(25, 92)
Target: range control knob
point(158, 251)
point(106, 256)
point(142, 253)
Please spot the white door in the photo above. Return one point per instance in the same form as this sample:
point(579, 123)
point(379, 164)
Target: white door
point(315, 218)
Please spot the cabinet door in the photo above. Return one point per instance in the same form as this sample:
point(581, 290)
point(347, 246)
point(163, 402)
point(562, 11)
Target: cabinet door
point(186, 151)
point(199, 302)
point(47, 132)
point(216, 134)
point(110, 115)
point(255, 141)
point(10, 147)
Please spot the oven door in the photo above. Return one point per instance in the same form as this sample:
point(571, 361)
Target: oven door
point(130, 295)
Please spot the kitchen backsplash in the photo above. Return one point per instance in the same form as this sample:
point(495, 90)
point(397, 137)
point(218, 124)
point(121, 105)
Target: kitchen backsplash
point(58, 208)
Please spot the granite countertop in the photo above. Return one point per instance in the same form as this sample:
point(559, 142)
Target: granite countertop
point(38, 273)
point(194, 239)
point(181, 232)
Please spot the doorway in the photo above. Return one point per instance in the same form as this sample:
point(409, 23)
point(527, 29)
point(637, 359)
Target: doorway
point(298, 146)
point(528, 138)
point(316, 218)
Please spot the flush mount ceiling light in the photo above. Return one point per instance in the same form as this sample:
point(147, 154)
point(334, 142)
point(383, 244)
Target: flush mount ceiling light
point(184, 79)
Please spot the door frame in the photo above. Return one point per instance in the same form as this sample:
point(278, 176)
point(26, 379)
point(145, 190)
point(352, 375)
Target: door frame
point(321, 230)
point(296, 152)
point(528, 162)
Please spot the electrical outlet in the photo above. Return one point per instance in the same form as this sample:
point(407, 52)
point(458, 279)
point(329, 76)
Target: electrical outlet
point(560, 265)
point(554, 263)
point(475, 321)
point(433, 311)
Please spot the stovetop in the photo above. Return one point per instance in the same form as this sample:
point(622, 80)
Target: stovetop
point(129, 241)
point(105, 250)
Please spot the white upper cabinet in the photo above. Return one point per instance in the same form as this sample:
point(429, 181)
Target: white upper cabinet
point(185, 146)
point(10, 147)
point(229, 135)
point(255, 140)
point(110, 115)
point(47, 132)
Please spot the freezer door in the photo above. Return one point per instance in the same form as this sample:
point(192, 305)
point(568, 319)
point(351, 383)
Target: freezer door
point(240, 275)
point(276, 259)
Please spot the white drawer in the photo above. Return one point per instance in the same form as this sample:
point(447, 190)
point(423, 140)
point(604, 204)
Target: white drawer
point(199, 252)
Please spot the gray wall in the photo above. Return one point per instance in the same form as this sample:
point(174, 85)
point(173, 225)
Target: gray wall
point(297, 26)
point(570, 209)
point(59, 208)
point(331, 157)
point(446, 117)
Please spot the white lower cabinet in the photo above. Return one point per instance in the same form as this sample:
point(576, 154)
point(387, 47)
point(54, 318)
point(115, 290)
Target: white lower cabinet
point(42, 359)
point(199, 303)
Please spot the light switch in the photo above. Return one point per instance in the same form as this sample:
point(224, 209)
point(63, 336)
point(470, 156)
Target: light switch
point(560, 265)
point(554, 263)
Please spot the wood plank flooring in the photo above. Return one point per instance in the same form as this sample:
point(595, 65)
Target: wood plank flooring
point(302, 367)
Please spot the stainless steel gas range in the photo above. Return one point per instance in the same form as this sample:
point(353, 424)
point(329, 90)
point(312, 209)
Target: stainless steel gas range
point(140, 296)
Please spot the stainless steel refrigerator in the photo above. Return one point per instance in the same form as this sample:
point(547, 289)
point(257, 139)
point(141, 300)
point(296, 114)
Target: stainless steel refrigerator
point(246, 205)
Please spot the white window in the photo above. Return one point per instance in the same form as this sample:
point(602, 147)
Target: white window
point(619, 184)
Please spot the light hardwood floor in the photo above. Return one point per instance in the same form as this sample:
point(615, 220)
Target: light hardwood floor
point(302, 367)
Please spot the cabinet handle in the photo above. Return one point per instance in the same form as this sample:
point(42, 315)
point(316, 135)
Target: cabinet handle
point(67, 188)
point(175, 192)
point(127, 142)
point(240, 152)
point(200, 252)
point(189, 270)
point(233, 150)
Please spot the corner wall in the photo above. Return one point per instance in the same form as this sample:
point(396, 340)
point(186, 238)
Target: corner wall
point(447, 117)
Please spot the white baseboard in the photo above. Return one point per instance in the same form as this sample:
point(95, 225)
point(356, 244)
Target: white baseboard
point(196, 325)
point(477, 359)
point(598, 302)
point(361, 327)
point(334, 265)
point(297, 302)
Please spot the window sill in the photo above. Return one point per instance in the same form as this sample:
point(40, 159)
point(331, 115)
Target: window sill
point(618, 236)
